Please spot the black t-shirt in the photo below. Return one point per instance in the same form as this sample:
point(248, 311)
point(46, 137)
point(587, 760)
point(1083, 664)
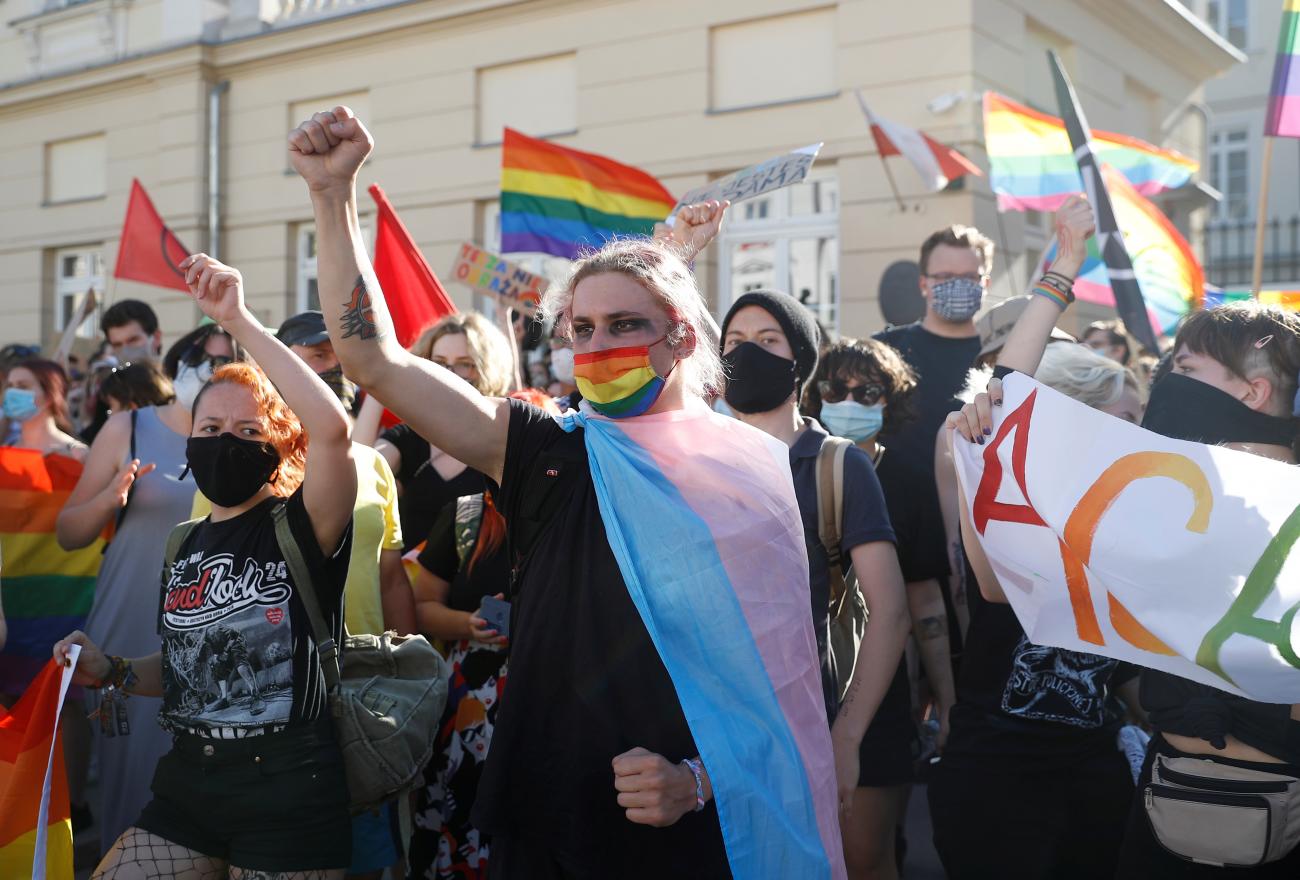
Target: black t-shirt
point(1026, 707)
point(913, 506)
point(489, 575)
point(941, 364)
point(865, 520)
point(237, 648)
point(424, 492)
point(586, 685)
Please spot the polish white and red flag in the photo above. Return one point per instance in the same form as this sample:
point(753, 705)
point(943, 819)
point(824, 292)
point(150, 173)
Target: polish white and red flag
point(937, 164)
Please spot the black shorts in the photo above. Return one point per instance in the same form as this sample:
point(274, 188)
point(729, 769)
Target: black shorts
point(275, 802)
point(890, 746)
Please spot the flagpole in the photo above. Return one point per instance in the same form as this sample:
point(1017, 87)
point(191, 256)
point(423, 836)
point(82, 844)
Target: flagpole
point(892, 185)
point(1257, 273)
point(889, 175)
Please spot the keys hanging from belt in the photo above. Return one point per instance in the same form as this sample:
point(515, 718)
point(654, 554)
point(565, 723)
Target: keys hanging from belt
point(111, 714)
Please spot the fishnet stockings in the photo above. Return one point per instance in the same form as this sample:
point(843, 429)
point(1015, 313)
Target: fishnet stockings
point(139, 855)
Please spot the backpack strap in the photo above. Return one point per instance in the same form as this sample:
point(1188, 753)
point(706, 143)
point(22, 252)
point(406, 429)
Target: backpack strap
point(326, 647)
point(830, 509)
point(175, 539)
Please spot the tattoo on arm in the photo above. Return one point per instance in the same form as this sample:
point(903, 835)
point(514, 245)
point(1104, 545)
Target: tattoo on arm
point(959, 573)
point(359, 313)
point(930, 628)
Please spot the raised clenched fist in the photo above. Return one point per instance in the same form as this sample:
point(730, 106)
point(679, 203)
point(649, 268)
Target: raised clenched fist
point(328, 150)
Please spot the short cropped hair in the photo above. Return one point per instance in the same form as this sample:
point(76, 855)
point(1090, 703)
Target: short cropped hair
point(1251, 340)
point(960, 237)
point(123, 312)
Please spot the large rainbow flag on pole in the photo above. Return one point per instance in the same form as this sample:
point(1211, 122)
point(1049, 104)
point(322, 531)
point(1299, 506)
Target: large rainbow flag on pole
point(1032, 166)
point(701, 515)
point(1284, 96)
point(35, 823)
point(1285, 299)
point(46, 590)
point(1167, 270)
point(559, 201)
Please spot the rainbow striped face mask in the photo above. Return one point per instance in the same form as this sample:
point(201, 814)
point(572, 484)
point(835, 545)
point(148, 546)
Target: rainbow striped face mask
point(619, 382)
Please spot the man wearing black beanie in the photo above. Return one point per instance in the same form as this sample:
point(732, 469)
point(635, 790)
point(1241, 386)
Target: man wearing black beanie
point(769, 352)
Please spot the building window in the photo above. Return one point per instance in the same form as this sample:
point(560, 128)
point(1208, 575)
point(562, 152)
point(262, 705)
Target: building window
point(786, 240)
point(75, 169)
point(306, 291)
point(538, 97)
point(1230, 19)
point(741, 69)
point(1230, 172)
point(77, 271)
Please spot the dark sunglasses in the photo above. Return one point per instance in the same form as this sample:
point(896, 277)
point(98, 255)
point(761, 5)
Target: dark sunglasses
point(836, 390)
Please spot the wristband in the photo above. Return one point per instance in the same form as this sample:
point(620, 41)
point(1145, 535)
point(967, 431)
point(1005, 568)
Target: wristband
point(120, 674)
point(697, 771)
point(1059, 299)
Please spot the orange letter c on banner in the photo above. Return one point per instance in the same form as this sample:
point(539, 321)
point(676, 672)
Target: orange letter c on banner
point(1081, 529)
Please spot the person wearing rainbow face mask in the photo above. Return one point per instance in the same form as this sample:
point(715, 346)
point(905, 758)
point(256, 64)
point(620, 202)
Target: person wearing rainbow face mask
point(665, 714)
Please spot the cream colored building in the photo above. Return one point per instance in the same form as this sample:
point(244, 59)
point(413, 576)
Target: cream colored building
point(97, 92)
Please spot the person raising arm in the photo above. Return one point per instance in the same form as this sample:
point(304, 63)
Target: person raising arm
point(328, 151)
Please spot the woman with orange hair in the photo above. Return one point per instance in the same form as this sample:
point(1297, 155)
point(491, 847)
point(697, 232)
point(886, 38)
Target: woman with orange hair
point(254, 784)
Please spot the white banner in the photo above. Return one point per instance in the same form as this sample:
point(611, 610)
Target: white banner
point(755, 180)
point(1116, 541)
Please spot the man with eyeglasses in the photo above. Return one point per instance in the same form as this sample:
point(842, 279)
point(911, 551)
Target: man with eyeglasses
point(941, 348)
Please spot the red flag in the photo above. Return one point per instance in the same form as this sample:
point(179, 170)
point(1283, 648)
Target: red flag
point(414, 295)
point(149, 251)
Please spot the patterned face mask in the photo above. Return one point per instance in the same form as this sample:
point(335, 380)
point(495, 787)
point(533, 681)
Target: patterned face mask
point(957, 299)
point(619, 382)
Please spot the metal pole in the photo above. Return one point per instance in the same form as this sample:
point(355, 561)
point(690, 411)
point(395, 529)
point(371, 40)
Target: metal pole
point(214, 167)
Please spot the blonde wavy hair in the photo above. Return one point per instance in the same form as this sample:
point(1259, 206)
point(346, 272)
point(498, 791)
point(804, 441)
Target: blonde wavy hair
point(488, 349)
point(1079, 372)
point(659, 269)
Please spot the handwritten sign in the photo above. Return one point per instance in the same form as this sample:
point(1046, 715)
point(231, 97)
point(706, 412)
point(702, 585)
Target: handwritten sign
point(755, 180)
point(490, 273)
point(1117, 541)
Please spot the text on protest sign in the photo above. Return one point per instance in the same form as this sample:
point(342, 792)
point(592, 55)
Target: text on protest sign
point(1116, 541)
point(488, 272)
point(755, 180)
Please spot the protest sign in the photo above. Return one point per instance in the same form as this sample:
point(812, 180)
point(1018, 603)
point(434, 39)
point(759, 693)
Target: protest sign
point(755, 180)
point(1113, 540)
point(490, 273)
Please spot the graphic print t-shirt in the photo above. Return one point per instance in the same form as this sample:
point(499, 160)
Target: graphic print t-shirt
point(237, 650)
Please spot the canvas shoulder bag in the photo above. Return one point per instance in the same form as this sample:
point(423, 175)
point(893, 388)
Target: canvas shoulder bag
point(848, 609)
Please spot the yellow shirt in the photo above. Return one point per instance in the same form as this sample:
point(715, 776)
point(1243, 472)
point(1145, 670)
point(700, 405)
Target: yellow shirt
point(375, 527)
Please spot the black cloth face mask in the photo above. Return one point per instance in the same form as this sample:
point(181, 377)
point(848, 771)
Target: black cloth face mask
point(344, 390)
point(757, 380)
point(229, 470)
point(1188, 409)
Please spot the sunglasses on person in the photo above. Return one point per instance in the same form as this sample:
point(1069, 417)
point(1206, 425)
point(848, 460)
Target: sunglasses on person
point(836, 390)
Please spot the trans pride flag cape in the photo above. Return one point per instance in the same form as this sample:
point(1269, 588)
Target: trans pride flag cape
point(46, 590)
point(701, 514)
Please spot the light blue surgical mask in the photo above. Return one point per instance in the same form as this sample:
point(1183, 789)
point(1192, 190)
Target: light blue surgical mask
point(852, 420)
point(19, 404)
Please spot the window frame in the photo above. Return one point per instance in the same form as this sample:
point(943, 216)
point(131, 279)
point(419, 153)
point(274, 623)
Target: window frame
point(74, 287)
point(306, 269)
point(1225, 142)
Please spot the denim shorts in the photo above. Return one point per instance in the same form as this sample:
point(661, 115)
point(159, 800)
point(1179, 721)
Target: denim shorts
point(275, 802)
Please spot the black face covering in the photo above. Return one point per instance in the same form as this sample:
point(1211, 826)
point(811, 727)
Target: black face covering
point(757, 380)
point(344, 390)
point(229, 470)
point(1188, 409)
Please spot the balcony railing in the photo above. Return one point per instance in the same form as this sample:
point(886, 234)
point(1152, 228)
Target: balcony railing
point(1228, 252)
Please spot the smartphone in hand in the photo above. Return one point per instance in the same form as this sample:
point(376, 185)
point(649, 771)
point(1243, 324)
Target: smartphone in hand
point(497, 614)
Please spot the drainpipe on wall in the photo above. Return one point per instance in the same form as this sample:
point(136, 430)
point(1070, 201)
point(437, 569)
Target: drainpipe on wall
point(214, 167)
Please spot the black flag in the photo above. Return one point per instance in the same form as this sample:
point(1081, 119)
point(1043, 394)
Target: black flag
point(1129, 303)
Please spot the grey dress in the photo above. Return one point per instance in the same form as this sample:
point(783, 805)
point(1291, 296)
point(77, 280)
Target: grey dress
point(124, 619)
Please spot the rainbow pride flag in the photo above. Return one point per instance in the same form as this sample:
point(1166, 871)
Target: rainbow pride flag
point(701, 515)
point(29, 744)
point(1168, 273)
point(1287, 299)
point(1283, 118)
point(559, 201)
point(46, 590)
point(1032, 167)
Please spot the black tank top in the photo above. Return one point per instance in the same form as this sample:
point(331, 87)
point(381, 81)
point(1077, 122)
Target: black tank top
point(1188, 708)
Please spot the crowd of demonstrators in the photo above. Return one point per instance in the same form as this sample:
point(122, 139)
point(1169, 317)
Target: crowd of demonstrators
point(688, 695)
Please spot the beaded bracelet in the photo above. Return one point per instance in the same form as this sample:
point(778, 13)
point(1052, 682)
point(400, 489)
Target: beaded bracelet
point(697, 771)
